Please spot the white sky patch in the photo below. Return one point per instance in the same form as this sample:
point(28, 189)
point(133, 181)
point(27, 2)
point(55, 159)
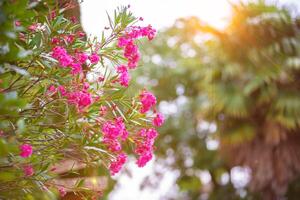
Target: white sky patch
point(224, 178)
point(159, 13)
point(206, 126)
point(205, 177)
point(128, 188)
point(240, 176)
point(156, 12)
point(212, 144)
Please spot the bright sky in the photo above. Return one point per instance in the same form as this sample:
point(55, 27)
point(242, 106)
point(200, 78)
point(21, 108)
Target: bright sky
point(159, 13)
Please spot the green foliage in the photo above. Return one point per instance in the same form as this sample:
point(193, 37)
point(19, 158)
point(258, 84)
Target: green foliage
point(57, 129)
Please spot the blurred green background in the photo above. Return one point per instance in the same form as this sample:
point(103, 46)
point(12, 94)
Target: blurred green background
point(232, 102)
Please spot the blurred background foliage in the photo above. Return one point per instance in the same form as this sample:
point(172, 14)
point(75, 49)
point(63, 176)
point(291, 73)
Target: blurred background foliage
point(232, 101)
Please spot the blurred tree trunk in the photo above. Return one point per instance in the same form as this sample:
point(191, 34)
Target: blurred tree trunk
point(72, 8)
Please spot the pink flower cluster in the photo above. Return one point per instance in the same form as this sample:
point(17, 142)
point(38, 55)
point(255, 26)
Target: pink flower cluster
point(117, 164)
point(26, 150)
point(76, 61)
point(124, 75)
point(135, 32)
point(62, 191)
point(131, 51)
point(148, 100)
point(62, 56)
point(113, 131)
point(144, 146)
point(94, 58)
point(67, 38)
point(34, 27)
point(158, 120)
point(81, 98)
point(28, 170)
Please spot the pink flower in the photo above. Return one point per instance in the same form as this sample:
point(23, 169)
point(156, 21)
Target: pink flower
point(81, 99)
point(113, 144)
point(120, 124)
point(86, 86)
point(147, 31)
point(142, 132)
point(122, 69)
point(84, 100)
point(17, 23)
point(132, 54)
point(124, 77)
point(122, 41)
point(58, 51)
point(73, 19)
point(62, 90)
point(81, 57)
point(81, 34)
point(101, 78)
point(148, 100)
point(158, 120)
point(143, 148)
point(52, 89)
point(62, 191)
point(144, 159)
point(52, 14)
point(133, 61)
point(151, 134)
point(70, 38)
point(117, 164)
point(112, 131)
point(94, 58)
point(26, 150)
point(130, 48)
point(55, 40)
point(150, 32)
point(65, 60)
point(22, 37)
point(124, 135)
point(76, 68)
point(28, 170)
point(33, 27)
point(60, 54)
point(144, 145)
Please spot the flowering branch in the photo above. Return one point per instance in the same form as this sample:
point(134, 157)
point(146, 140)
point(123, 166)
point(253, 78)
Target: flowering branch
point(75, 100)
